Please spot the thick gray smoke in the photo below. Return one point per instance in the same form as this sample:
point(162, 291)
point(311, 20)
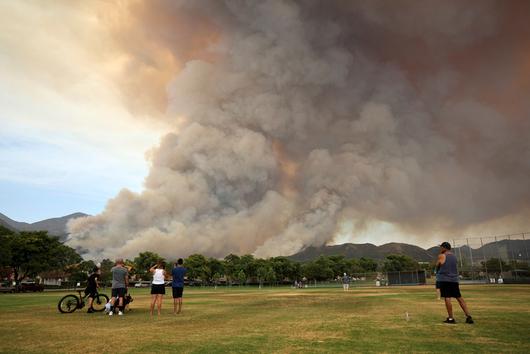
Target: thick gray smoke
point(304, 115)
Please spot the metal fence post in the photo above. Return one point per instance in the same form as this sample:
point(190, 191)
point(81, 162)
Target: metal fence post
point(460, 254)
point(511, 249)
point(484, 257)
point(525, 249)
point(499, 253)
point(471, 256)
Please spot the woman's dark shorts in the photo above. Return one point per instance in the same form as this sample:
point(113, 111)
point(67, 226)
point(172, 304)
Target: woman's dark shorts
point(437, 284)
point(449, 289)
point(177, 292)
point(158, 289)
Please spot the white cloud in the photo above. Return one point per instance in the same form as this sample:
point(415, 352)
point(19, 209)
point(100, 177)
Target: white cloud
point(63, 124)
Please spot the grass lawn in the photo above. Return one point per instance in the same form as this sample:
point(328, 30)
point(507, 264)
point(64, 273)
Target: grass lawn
point(249, 320)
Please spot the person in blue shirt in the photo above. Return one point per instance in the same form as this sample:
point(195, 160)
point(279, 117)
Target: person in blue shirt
point(178, 273)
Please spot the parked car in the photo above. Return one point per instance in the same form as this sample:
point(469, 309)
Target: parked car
point(30, 286)
point(6, 287)
point(142, 284)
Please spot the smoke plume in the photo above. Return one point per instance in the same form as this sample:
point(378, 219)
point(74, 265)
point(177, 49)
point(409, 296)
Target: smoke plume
point(292, 118)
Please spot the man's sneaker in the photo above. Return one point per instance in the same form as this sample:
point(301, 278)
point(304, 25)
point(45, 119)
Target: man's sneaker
point(120, 313)
point(111, 313)
point(90, 310)
point(450, 320)
point(469, 320)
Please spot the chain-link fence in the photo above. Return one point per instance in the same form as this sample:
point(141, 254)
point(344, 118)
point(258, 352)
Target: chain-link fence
point(494, 259)
point(415, 277)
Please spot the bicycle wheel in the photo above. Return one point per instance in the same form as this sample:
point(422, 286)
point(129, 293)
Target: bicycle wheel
point(99, 302)
point(68, 304)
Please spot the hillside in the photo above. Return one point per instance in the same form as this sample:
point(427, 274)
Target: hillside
point(368, 250)
point(505, 249)
point(54, 226)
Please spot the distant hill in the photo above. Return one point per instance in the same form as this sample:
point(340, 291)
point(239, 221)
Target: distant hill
point(368, 250)
point(54, 226)
point(505, 249)
point(5, 226)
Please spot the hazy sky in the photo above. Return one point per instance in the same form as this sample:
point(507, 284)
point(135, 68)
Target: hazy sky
point(67, 141)
point(265, 126)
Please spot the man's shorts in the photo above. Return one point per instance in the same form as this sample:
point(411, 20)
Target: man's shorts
point(177, 292)
point(449, 289)
point(119, 292)
point(158, 289)
point(91, 292)
point(437, 284)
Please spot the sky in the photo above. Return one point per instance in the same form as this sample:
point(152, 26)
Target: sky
point(265, 127)
point(67, 141)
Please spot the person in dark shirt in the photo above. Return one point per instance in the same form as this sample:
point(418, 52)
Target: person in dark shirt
point(92, 286)
point(447, 276)
point(178, 273)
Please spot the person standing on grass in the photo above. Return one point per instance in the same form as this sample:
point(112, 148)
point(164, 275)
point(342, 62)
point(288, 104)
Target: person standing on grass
point(345, 282)
point(120, 282)
point(92, 288)
point(177, 285)
point(158, 288)
point(447, 274)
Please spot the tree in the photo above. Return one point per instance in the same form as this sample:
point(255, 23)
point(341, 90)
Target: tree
point(197, 266)
point(368, 265)
point(495, 265)
point(310, 270)
point(30, 253)
point(520, 265)
point(5, 251)
point(353, 266)
point(285, 269)
point(399, 262)
point(241, 277)
point(325, 268)
point(231, 266)
point(319, 269)
point(144, 262)
point(106, 266)
point(265, 273)
point(215, 269)
point(339, 264)
point(6, 247)
point(247, 264)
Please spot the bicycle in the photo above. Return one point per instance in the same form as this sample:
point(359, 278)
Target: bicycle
point(71, 302)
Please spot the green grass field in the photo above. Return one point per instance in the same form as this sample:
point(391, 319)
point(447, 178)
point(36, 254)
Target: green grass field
point(249, 320)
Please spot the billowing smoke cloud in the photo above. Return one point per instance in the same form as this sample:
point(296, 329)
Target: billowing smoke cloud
point(292, 118)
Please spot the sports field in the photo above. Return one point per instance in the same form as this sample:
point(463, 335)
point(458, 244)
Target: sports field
point(249, 320)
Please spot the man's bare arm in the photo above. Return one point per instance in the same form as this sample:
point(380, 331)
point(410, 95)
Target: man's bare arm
point(440, 261)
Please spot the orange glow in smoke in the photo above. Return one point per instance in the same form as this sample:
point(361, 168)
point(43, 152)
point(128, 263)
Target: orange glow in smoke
point(288, 168)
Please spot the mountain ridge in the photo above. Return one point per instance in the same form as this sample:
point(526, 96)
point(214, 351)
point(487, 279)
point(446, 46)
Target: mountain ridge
point(505, 249)
point(54, 226)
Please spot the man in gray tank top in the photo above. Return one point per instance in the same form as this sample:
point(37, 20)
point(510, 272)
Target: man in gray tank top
point(120, 282)
point(447, 275)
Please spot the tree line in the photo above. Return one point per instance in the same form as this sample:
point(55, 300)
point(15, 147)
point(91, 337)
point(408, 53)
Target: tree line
point(28, 254)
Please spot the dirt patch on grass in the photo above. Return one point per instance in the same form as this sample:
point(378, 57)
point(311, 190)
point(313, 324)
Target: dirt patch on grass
point(376, 294)
point(290, 294)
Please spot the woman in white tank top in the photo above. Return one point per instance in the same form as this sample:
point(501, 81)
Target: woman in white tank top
point(158, 288)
